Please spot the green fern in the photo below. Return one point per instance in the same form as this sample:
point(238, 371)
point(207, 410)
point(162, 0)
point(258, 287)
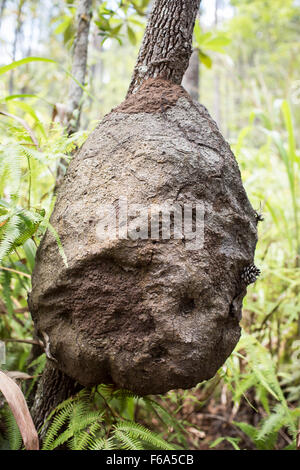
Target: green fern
point(75, 416)
point(136, 431)
point(127, 442)
point(12, 433)
point(78, 424)
point(58, 422)
point(103, 444)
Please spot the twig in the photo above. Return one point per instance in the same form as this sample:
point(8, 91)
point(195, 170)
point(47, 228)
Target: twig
point(21, 310)
point(112, 412)
point(27, 341)
point(285, 437)
point(15, 271)
point(18, 320)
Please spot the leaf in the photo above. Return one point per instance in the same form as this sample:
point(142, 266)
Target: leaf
point(103, 24)
point(60, 247)
point(131, 35)
point(12, 431)
point(217, 43)
point(61, 28)
point(232, 440)
point(19, 408)
point(205, 59)
point(18, 375)
point(30, 251)
point(197, 32)
point(27, 60)
point(25, 125)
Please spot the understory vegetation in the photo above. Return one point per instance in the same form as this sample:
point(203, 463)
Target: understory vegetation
point(254, 400)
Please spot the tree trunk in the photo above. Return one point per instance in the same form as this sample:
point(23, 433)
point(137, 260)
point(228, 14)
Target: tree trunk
point(14, 49)
point(84, 15)
point(191, 78)
point(217, 79)
point(54, 387)
point(80, 52)
point(167, 44)
point(2, 8)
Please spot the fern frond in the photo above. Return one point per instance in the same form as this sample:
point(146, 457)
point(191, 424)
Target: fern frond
point(9, 235)
point(273, 423)
point(138, 432)
point(12, 431)
point(86, 438)
point(128, 442)
point(58, 422)
point(103, 444)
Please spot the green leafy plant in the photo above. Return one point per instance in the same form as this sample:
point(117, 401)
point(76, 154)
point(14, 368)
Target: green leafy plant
point(209, 42)
point(99, 419)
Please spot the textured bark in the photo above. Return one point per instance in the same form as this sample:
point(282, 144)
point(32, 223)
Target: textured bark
point(191, 77)
point(53, 388)
point(80, 52)
point(167, 44)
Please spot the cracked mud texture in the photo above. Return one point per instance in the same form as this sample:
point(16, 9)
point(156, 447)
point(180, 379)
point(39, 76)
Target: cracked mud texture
point(146, 315)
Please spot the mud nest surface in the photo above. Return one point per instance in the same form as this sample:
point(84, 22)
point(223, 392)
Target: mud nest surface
point(147, 315)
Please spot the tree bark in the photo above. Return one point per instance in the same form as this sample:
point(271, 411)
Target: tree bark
point(167, 44)
point(217, 78)
point(80, 52)
point(54, 387)
point(192, 77)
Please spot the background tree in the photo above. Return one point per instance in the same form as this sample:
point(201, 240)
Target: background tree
point(78, 71)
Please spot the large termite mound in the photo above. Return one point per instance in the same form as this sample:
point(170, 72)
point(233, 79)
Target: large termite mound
point(147, 315)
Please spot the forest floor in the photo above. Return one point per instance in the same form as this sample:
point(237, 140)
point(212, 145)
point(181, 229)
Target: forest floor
point(215, 419)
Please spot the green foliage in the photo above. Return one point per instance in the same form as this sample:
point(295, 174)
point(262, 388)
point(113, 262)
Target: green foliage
point(209, 41)
point(128, 14)
point(232, 440)
point(19, 185)
point(12, 433)
point(256, 371)
point(82, 423)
